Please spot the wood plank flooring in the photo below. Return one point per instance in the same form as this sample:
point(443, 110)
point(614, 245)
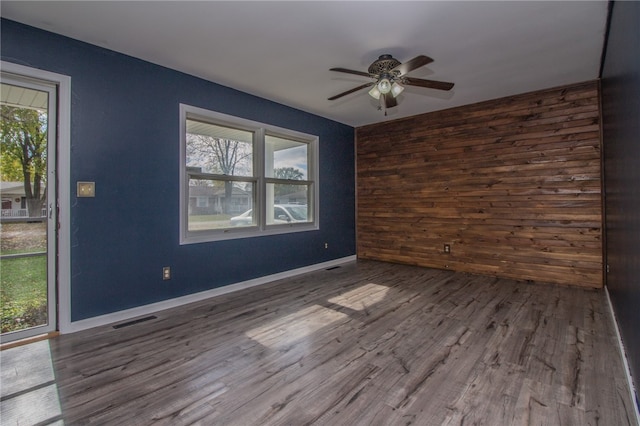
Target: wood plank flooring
point(368, 343)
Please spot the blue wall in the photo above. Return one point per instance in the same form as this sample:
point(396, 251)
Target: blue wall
point(125, 137)
point(621, 142)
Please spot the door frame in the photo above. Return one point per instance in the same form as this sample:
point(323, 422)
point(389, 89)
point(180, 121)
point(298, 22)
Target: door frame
point(63, 199)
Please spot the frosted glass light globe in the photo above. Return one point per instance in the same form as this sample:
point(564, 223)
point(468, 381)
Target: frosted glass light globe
point(384, 86)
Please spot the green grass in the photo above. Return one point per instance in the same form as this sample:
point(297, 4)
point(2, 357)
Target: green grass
point(23, 292)
point(23, 251)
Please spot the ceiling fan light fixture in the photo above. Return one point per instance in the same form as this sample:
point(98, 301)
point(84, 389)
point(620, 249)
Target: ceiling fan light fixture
point(374, 92)
point(384, 86)
point(396, 89)
point(389, 79)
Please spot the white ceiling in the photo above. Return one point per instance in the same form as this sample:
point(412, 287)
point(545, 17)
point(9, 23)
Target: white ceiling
point(283, 50)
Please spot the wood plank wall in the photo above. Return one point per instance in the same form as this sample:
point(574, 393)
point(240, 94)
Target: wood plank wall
point(513, 185)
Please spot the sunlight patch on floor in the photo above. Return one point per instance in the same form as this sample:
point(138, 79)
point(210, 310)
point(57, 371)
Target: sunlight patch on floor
point(361, 298)
point(294, 327)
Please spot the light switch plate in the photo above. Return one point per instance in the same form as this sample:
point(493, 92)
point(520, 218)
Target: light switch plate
point(86, 189)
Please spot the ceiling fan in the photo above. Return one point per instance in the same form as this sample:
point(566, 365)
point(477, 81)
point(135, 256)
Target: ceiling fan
point(390, 76)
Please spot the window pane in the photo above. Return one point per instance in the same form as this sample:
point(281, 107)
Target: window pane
point(287, 203)
point(285, 158)
point(242, 179)
point(219, 150)
point(219, 204)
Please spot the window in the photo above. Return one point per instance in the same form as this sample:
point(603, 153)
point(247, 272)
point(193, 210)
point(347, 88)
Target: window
point(243, 179)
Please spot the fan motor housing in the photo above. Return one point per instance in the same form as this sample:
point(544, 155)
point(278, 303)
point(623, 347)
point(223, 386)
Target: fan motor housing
point(383, 64)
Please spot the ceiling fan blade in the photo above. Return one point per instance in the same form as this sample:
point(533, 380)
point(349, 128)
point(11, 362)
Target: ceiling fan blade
point(431, 84)
point(348, 71)
point(355, 89)
point(412, 64)
point(388, 100)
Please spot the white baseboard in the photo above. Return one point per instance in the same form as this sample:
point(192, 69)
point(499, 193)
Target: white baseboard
point(196, 297)
point(623, 353)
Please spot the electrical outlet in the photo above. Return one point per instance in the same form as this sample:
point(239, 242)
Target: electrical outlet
point(166, 273)
point(326, 245)
point(447, 248)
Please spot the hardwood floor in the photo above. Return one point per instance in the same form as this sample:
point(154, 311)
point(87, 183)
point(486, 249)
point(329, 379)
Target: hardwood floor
point(368, 343)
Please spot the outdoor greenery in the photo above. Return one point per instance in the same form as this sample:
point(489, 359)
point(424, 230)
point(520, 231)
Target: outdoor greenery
point(23, 279)
point(289, 173)
point(209, 217)
point(23, 153)
point(23, 292)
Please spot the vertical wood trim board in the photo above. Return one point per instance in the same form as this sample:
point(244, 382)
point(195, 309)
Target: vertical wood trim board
point(603, 191)
point(512, 185)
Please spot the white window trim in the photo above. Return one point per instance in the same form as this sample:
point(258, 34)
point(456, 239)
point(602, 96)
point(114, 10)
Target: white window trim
point(259, 129)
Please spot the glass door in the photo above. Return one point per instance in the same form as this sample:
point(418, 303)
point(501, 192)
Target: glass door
point(28, 221)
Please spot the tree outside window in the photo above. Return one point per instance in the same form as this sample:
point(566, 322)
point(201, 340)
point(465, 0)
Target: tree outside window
point(23, 149)
point(247, 171)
